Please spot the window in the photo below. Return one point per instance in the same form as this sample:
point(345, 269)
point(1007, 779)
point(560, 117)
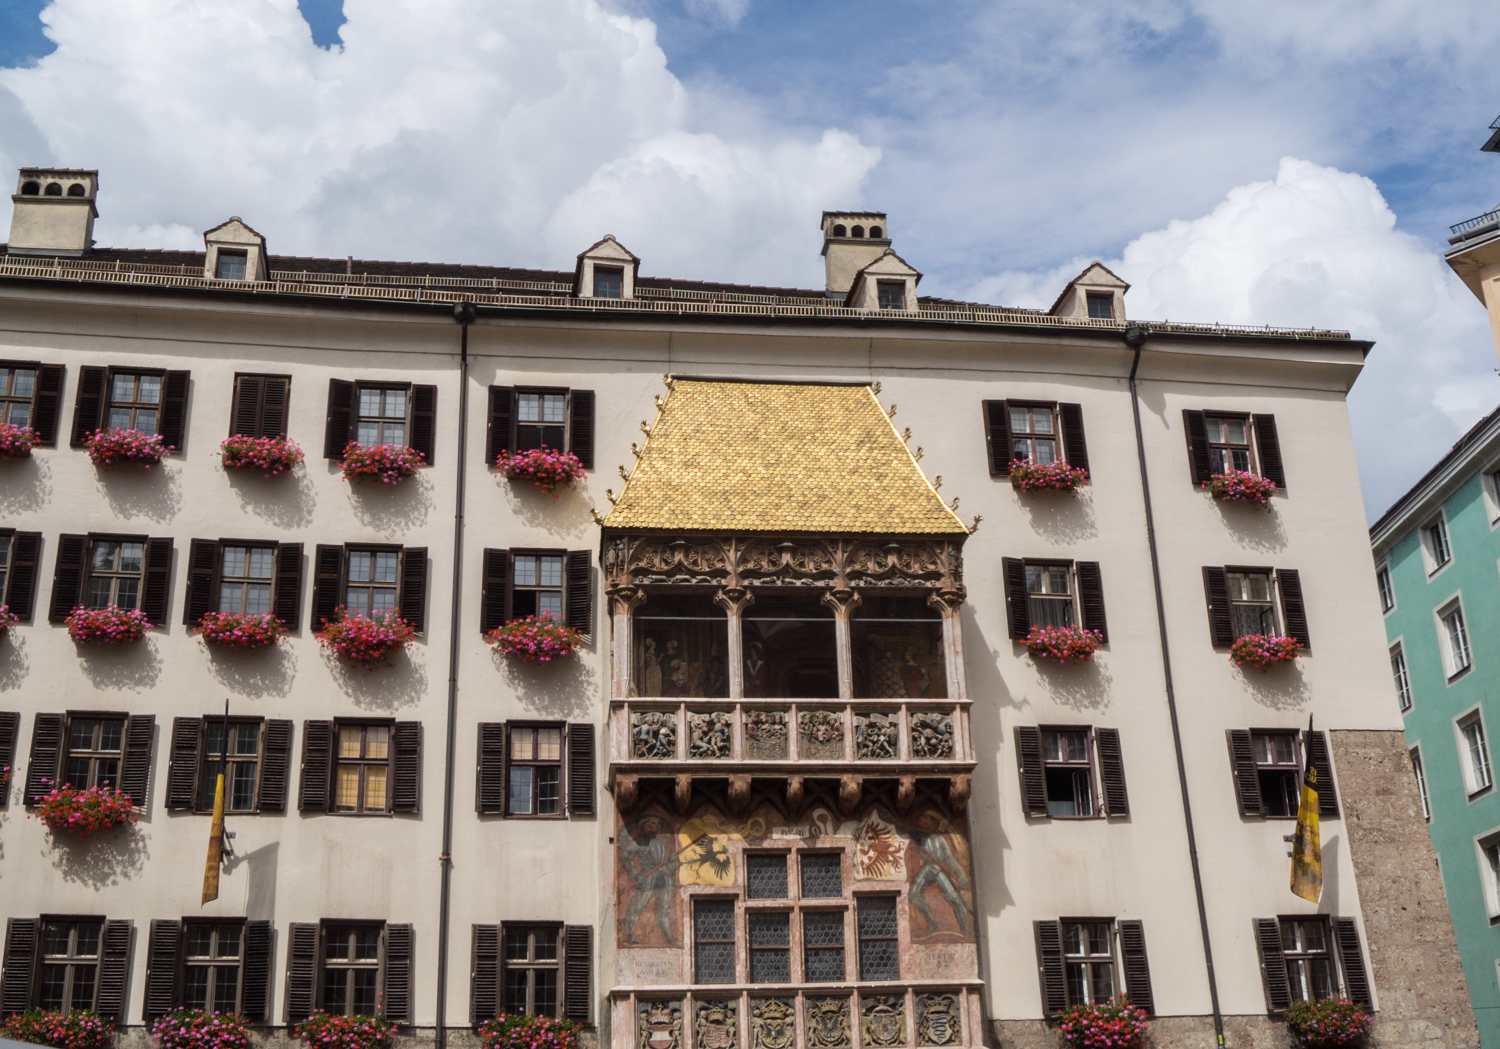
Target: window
point(1101, 305)
point(609, 282)
point(1402, 679)
point(1455, 640)
point(1474, 750)
point(211, 966)
point(1278, 770)
point(765, 876)
point(1049, 594)
point(790, 649)
point(362, 774)
point(822, 875)
point(1069, 772)
point(1309, 959)
point(1435, 543)
point(95, 747)
point(5, 544)
point(245, 580)
point(878, 956)
point(713, 941)
point(230, 265)
point(1089, 961)
point(260, 405)
point(1033, 433)
point(1489, 873)
point(770, 946)
point(371, 581)
point(1252, 603)
point(538, 585)
point(1383, 583)
point(70, 965)
point(1228, 443)
point(540, 418)
point(241, 768)
point(382, 415)
point(891, 294)
point(531, 969)
point(823, 946)
point(17, 389)
point(535, 772)
point(115, 570)
point(134, 402)
point(351, 969)
point(1421, 774)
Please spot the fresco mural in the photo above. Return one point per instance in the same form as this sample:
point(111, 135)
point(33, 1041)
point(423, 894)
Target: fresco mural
point(646, 883)
point(937, 861)
point(703, 854)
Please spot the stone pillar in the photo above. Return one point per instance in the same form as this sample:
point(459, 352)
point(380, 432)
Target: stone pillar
point(843, 602)
point(950, 603)
point(623, 600)
point(734, 600)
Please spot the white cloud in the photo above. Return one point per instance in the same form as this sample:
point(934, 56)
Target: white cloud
point(730, 11)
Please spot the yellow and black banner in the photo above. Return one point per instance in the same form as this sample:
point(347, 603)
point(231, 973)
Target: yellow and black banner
point(216, 829)
point(1307, 850)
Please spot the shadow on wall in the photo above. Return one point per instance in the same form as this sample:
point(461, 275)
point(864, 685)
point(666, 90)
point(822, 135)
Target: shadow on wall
point(103, 860)
point(981, 666)
point(555, 690)
point(268, 672)
point(391, 509)
point(1253, 528)
point(386, 689)
point(260, 867)
point(286, 501)
point(1280, 688)
point(563, 516)
point(131, 492)
point(13, 662)
point(25, 485)
point(1059, 517)
point(132, 667)
point(1078, 686)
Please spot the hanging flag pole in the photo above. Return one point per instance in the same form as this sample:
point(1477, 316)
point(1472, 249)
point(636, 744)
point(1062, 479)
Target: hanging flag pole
point(1307, 851)
point(216, 831)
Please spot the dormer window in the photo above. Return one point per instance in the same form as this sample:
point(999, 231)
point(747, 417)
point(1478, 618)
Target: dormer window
point(609, 283)
point(231, 265)
point(892, 294)
point(1101, 306)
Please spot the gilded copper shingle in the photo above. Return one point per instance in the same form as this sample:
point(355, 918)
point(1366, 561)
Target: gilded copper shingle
point(763, 457)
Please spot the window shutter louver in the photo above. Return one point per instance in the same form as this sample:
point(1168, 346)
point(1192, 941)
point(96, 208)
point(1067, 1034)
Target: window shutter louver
point(114, 969)
point(1091, 597)
point(498, 437)
point(328, 582)
point(20, 583)
point(1246, 778)
point(581, 768)
point(203, 565)
point(1137, 970)
point(424, 421)
point(484, 974)
point(161, 968)
point(1017, 606)
point(174, 399)
point(317, 758)
point(67, 577)
point(491, 774)
point(1112, 771)
point(997, 437)
point(182, 767)
point(1199, 461)
point(1272, 965)
point(579, 612)
point(255, 984)
point(18, 966)
point(495, 598)
point(1075, 448)
point(1328, 798)
point(135, 762)
point(578, 963)
point(10, 729)
point(340, 418)
point(301, 971)
point(286, 600)
point(156, 581)
point(581, 427)
point(88, 403)
point(245, 414)
point(46, 756)
point(1352, 961)
point(1216, 594)
point(276, 755)
point(414, 587)
point(47, 403)
point(398, 973)
point(1033, 777)
point(406, 788)
point(273, 406)
point(1049, 963)
point(1268, 446)
point(1292, 608)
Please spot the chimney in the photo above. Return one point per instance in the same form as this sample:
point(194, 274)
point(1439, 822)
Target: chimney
point(851, 241)
point(54, 212)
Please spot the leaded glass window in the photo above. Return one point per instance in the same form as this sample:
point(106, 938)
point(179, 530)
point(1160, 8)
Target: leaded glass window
point(878, 957)
point(713, 941)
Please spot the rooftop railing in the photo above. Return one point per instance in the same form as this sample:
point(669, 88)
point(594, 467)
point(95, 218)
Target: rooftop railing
point(1471, 227)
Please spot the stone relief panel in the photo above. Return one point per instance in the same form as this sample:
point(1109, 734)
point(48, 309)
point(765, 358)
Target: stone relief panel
point(821, 735)
point(882, 1020)
point(827, 1020)
point(940, 1019)
point(765, 735)
point(773, 1023)
point(931, 735)
point(653, 734)
point(710, 735)
point(717, 1024)
point(659, 1024)
point(875, 735)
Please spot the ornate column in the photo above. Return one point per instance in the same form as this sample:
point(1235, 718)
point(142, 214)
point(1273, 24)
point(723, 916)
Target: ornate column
point(734, 600)
point(843, 601)
point(623, 600)
point(950, 603)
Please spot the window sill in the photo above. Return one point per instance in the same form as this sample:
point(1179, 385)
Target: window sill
point(1459, 673)
point(361, 815)
point(534, 816)
point(1475, 795)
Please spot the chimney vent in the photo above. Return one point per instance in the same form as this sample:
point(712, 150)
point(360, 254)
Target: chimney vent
point(851, 241)
point(53, 212)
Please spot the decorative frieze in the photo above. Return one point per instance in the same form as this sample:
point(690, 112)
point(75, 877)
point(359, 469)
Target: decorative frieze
point(822, 734)
point(653, 734)
point(660, 1024)
point(931, 735)
point(766, 735)
point(710, 735)
point(882, 1020)
point(827, 1020)
point(875, 736)
point(773, 1023)
point(717, 1024)
point(940, 1019)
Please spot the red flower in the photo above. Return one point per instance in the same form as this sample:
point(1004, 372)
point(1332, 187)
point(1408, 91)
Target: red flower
point(345, 1032)
point(236, 630)
point(366, 640)
point(1115, 1024)
point(110, 625)
point(1263, 651)
point(520, 1031)
point(1330, 1022)
point(545, 468)
point(388, 463)
point(16, 442)
point(79, 1029)
point(1028, 475)
point(111, 447)
point(1241, 486)
point(274, 455)
point(1066, 644)
point(535, 639)
point(72, 811)
point(197, 1029)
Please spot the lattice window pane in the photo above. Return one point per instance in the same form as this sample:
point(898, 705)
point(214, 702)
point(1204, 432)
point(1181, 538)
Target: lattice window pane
point(823, 945)
point(766, 877)
point(877, 916)
point(713, 936)
point(822, 876)
point(770, 942)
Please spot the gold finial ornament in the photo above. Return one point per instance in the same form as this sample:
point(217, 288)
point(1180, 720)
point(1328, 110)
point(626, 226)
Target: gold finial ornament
point(875, 388)
point(954, 507)
point(892, 413)
point(645, 428)
point(597, 519)
point(634, 450)
point(918, 456)
point(623, 475)
point(975, 526)
point(609, 493)
point(937, 482)
point(906, 434)
point(660, 404)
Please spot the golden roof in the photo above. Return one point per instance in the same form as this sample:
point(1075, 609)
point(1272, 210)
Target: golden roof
point(771, 457)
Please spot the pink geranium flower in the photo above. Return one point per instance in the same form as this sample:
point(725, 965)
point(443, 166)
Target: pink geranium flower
point(325, 1031)
point(198, 1029)
point(386, 463)
point(271, 455)
point(1028, 475)
point(546, 468)
point(1240, 486)
point(1066, 644)
point(240, 630)
point(68, 810)
point(520, 1031)
point(78, 1029)
point(110, 625)
point(16, 442)
point(367, 640)
point(128, 447)
point(1115, 1024)
point(535, 639)
point(1263, 651)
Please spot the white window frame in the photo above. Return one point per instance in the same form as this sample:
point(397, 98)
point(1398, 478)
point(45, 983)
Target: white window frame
point(1489, 877)
point(1489, 484)
point(1429, 555)
point(1419, 770)
point(1402, 677)
point(1383, 572)
point(1451, 670)
point(1473, 788)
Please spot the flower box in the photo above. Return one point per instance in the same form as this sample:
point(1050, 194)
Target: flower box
point(1263, 651)
point(67, 810)
point(1065, 644)
point(535, 639)
point(127, 447)
point(1028, 475)
point(110, 625)
point(1115, 1024)
point(270, 455)
point(79, 1029)
point(8, 619)
point(324, 1031)
point(246, 631)
point(519, 1031)
point(386, 463)
point(197, 1029)
point(1241, 486)
point(545, 468)
point(369, 641)
point(1331, 1022)
point(16, 442)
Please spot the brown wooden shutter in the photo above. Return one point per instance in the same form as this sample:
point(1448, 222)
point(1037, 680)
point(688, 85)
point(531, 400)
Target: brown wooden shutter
point(182, 767)
point(44, 765)
point(1272, 965)
point(202, 574)
point(490, 784)
point(340, 419)
point(578, 964)
point(274, 404)
point(406, 788)
point(46, 403)
point(579, 610)
point(581, 768)
point(245, 413)
point(174, 402)
point(1246, 778)
point(1112, 771)
point(161, 968)
point(581, 427)
point(67, 576)
point(1328, 797)
point(494, 603)
point(1216, 594)
point(156, 583)
point(1075, 448)
point(1017, 605)
point(20, 581)
point(19, 965)
point(1352, 961)
point(1268, 446)
point(88, 403)
point(1137, 969)
point(1292, 609)
point(286, 599)
point(1033, 775)
point(276, 756)
point(1091, 597)
point(255, 984)
point(500, 435)
point(484, 974)
point(317, 766)
point(1200, 463)
point(1049, 963)
point(10, 730)
point(398, 973)
point(328, 584)
point(301, 971)
point(997, 436)
point(414, 587)
point(135, 762)
point(424, 421)
point(114, 970)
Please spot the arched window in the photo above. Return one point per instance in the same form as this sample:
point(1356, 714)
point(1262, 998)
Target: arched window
point(53, 190)
point(839, 229)
point(876, 232)
point(76, 190)
point(31, 189)
point(857, 231)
